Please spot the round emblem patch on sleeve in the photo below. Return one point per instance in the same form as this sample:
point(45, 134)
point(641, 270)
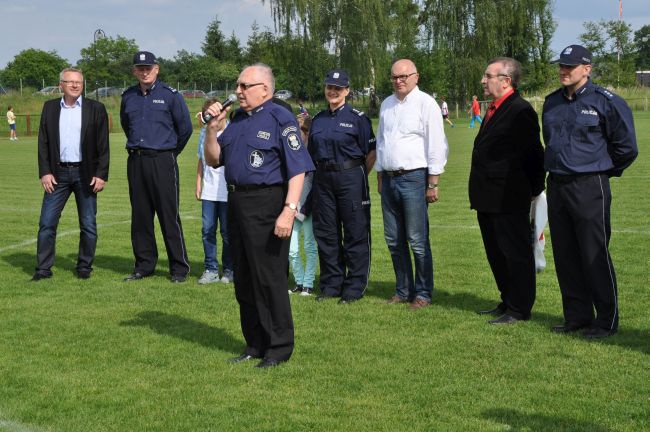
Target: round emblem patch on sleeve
point(256, 159)
point(293, 141)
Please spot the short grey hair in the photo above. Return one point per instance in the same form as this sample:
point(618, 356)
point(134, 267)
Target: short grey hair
point(70, 69)
point(267, 72)
point(511, 68)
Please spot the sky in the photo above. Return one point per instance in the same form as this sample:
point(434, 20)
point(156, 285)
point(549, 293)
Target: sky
point(167, 26)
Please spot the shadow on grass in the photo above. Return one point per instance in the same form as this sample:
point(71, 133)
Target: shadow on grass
point(630, 338)
point(518, 421)
point(186, 329)
point(26, 262)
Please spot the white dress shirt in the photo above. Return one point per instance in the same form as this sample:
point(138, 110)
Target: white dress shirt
point(70, 132)
point(411, 134)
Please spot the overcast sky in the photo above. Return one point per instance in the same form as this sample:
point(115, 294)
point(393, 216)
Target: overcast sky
point(167, 26)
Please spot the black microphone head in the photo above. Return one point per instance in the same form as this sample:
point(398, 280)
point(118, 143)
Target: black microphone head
point(231, 99)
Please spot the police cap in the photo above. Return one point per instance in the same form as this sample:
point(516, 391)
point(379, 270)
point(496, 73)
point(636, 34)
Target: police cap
point(574, 55)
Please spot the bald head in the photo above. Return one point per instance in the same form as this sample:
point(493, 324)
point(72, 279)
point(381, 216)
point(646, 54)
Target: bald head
point(404, 76)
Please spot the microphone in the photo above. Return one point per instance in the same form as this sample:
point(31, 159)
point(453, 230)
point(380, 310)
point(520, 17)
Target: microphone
point(225, 104)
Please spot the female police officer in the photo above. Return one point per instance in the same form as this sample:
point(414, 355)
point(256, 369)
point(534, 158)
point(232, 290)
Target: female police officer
point(342, 146)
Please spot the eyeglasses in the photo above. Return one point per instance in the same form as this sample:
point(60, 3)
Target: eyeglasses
point(71, 83)
point(245, 86)
point(490, 76)
point(402, 78)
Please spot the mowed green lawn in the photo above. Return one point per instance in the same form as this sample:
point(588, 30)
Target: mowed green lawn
point(104, 355)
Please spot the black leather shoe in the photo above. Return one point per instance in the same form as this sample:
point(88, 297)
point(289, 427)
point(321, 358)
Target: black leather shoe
point(322, 297)
point(504, 319)
point(568, 327)
point(267, 363)
point(242, 358)
point(83, 274)
point(135, 276)
point(497, 311)
point(348, 300)
point(598, 333)
point(39, 276)
point(178, 278)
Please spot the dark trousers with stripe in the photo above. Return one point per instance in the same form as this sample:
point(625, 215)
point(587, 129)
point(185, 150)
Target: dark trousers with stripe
point(261, 264)
point(341, 209)
point(579, 220)
point(508, 245)
point(153, 190)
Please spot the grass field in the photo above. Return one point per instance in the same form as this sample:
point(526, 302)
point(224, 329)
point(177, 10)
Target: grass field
point(103, 355)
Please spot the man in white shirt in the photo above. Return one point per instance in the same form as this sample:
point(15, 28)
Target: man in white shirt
point(411, 156)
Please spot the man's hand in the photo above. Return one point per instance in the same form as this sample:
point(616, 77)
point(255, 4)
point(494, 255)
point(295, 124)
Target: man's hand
point(97, 184)
point(284, 223)
point(48, 183)
point(432, 195)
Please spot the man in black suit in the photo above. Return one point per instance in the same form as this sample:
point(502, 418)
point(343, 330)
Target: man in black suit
point(73, 156)
point(507, 172)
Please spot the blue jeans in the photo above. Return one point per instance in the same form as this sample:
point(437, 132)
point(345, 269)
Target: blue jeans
point(304, 275)
point(406, 223)
point(215, 213)
point(69, 181)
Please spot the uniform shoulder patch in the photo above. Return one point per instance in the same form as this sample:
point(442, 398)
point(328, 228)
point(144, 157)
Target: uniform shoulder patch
point(357, 112)
point(603, 91)
point(170, 88)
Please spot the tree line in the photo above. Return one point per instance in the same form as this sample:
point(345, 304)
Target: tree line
point(449, 40)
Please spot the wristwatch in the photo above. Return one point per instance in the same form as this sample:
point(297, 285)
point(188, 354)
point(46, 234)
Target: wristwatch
point(432, 186)
point(292, 206)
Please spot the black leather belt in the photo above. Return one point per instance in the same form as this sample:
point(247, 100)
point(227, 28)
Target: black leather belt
point(568, 178)
point(352, 163)
point(250, 187)
point(69, 164)
point(144, 152)
point(401, 172)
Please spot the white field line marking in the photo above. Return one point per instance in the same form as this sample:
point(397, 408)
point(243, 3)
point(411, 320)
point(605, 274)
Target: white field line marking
point(32, 241)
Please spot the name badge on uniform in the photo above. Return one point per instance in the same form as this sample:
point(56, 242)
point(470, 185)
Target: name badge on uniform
point(346, 125)
point(264, 135)
point(256, 159)
point(158, 101)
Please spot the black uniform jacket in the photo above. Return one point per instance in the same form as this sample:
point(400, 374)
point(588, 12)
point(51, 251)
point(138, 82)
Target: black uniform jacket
point(507, 160)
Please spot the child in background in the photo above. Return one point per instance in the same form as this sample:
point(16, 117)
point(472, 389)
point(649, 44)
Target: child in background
point(211, 190)
point(304, 276)
point(11, 119)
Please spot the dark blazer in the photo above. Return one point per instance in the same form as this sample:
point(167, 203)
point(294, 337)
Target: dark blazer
point(507, 160)
point(94, 139)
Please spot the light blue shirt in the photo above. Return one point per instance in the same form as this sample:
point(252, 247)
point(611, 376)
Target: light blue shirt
point(70, 132)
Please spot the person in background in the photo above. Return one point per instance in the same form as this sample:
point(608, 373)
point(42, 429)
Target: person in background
point(589, 135)
point(157, 125)
point(11, 119)
point(73, 158)
point(302, 111)
point(212, 191)
point(304, 274)
point(475, 112)
point(342, 146)
point(444, 108)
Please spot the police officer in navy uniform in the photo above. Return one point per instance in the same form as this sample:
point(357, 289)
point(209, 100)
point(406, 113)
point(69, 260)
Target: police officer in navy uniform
point(589, 136)
point(266, 163)
point(342, 145)
point(157, 125)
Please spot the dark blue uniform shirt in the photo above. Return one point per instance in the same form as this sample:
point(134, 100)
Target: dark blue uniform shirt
point(263, 147)
point(340, 135)
point(155, 120)
point(592, 133)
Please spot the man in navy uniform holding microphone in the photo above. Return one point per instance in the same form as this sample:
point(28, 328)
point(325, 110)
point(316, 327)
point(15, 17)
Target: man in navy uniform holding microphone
point(157, 125)
point(342, 145)
point(265, 162)
point(589, 136)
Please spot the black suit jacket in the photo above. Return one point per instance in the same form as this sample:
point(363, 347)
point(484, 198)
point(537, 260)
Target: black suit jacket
point(94, 139)
point(507, 160)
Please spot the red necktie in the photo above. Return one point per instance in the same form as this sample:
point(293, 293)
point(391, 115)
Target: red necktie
point(489, 112)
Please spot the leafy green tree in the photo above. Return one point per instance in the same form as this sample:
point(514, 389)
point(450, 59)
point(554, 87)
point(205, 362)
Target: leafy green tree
point(613, 50)
point(34, 67)
point(233, 52)
point(214, 44)
point(114, 61)
point(642, 42)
